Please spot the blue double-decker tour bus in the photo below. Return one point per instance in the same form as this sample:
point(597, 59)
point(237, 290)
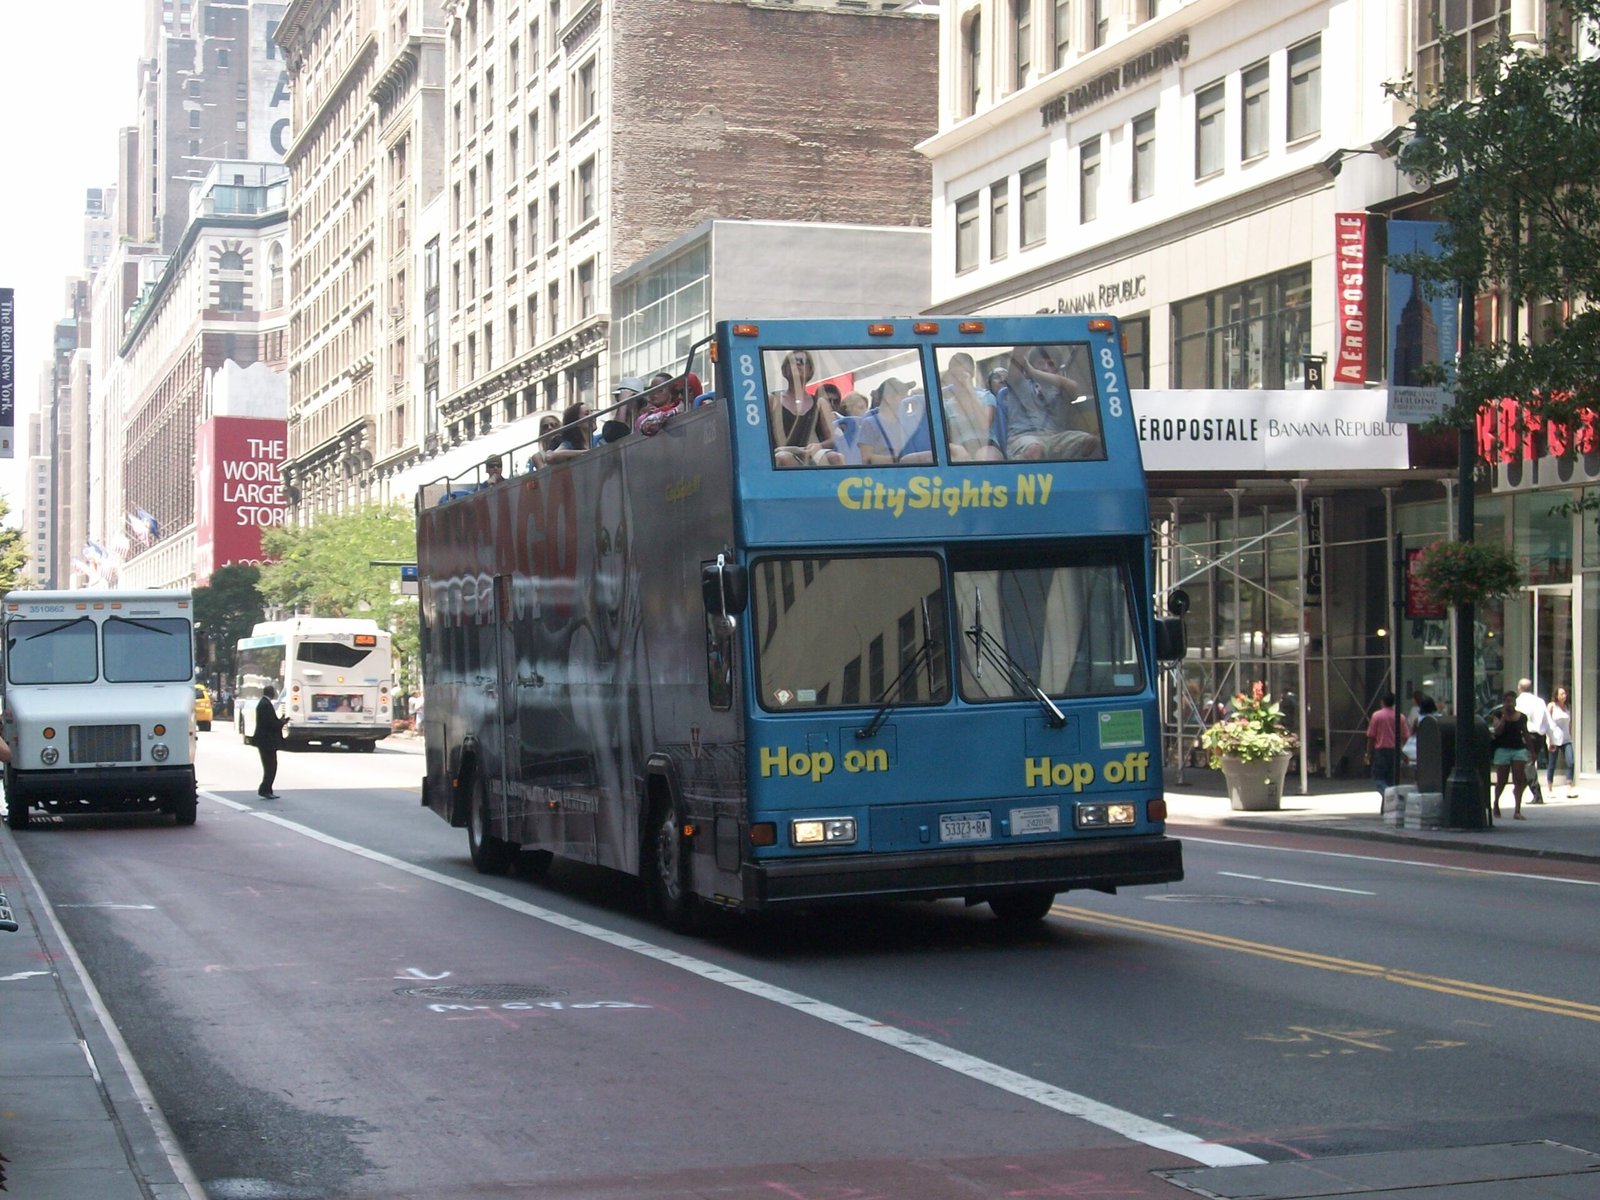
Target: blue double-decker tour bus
point(872, 617)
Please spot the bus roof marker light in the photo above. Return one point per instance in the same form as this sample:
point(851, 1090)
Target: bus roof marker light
point(970, 327)
point(925, 327)
point(880, 329)
point(1101, 325)
point(747, 331)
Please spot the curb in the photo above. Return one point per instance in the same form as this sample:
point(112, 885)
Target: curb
point(1384, 835)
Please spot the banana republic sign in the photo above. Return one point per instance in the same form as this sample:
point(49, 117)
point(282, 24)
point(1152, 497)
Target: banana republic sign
point(1108, 83)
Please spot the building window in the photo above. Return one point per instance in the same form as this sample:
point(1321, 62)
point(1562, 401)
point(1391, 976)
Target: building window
point(230, 295)
point(194, 118)
point(586, 207)
point(1305, 89)
point(1144, 156)
point(514, 154)
point(972, 58)
point(1021, 41)
point(553, 307)
point(1136, 349)
point(533, 229)
point(1252, 335)
point(555, 120)
point(966, 233)
point(1209, 114)
point(1089, 180)
point(488, 264)
point(1477, 30)
point(1099, 22)
point(1032, 225)
point(555, 214)
point(1061, 33)
point(585, 286)
point(999, 218)
point(1253, 128)
point(588, 92)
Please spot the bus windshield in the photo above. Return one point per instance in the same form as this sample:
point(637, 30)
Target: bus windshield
point(52, 651)
point(148, 650)
point(1068, 628)
point(849, 632)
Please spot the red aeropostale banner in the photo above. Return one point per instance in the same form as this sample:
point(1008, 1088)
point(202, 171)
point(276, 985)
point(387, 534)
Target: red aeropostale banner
point(1350, 276)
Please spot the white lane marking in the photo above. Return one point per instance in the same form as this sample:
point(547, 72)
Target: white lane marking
point(14, 977)
point(108, 904)
point(1321, 887)
point(1395, 862)
point(1128, 1125)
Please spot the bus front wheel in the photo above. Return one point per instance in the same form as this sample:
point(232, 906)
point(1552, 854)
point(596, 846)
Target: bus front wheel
point(670, 896)
point(490, 855)
point(1021, 908)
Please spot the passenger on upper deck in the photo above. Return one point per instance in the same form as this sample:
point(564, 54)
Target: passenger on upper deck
point(1049, 414)
point(801, 424)
point(674, 397)
point(493, 472)
point(577, 431)
point(896, 430)
point(969, 412)
point(626, 404)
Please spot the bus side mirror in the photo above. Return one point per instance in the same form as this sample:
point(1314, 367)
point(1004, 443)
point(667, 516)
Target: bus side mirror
point(1171, 644)
point(1177, 602)
point(725, 587)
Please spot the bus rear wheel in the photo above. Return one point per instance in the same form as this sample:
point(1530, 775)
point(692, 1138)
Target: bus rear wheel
point(667, 872)
point(490, 855)
point(1021, 908)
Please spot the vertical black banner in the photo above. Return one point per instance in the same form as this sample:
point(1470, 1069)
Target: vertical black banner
point(8, 372)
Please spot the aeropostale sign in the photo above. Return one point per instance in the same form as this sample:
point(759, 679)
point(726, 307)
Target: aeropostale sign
point(1257, 430)
point(1350, 277)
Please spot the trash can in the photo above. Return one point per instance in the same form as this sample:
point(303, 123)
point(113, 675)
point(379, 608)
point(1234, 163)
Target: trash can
point(1436, 755)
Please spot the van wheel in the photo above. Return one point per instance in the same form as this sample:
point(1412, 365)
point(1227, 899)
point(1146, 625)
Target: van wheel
point(1021, 908)
point(667, 881)
point(490, 855)
point(185, 809)
point(16, 809)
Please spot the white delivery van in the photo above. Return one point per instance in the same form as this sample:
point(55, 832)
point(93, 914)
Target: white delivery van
point(98, 691)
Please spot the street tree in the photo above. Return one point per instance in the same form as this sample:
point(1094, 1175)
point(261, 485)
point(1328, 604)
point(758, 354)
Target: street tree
point(225, 610)
point(1515, 150)
point(325, 569)
point(13, 553)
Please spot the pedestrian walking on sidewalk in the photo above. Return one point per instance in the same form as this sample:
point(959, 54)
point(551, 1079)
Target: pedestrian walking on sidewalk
point(268, 737)
point(1509, 737)
point(1386, 733)
point(1531, 705)
point(1560, 743)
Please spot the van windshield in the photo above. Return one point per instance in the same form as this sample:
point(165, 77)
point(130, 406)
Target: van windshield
point(52, 651)
point(148, 650)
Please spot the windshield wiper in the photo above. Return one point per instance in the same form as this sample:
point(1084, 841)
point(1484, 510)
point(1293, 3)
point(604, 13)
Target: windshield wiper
point(65, 625)
point(138, 625)
point(988, 646)
point(890, 695)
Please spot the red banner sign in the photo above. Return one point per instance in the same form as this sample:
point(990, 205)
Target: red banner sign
point(1350, 278)
point(1419, 605)
point(238, 493)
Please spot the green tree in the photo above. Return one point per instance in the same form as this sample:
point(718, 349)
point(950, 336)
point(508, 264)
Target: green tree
point(1516, 149)
point(325, 569)
point(13, 553)
point(225, 610)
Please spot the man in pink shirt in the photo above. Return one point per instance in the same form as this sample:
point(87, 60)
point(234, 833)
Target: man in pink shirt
point(1386, 725)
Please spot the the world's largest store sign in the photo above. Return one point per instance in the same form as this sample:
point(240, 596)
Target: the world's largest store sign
point(238, 492)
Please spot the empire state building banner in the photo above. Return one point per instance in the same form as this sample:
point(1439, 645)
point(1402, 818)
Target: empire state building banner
point(1422, 330)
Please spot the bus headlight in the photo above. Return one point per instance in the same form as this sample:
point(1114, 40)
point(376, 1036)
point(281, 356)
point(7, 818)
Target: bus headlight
point(159, 752)
point(1100, 816)
point(817, 831)
point(49, 756)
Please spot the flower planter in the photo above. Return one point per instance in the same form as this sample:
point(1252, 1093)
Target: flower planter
point(1255, 786)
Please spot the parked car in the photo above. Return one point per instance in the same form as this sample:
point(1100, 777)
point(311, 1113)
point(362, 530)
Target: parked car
point(202, 706)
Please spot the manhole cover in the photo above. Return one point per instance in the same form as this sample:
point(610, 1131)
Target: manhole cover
point(1193, 898)
point(494, 993)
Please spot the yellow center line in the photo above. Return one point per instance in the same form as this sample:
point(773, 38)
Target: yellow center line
point(1324, 962)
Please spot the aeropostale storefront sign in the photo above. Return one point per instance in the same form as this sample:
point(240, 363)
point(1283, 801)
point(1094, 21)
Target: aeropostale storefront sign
point(1257, 430)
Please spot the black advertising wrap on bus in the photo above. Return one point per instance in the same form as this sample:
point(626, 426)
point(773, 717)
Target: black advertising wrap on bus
point(8, 371)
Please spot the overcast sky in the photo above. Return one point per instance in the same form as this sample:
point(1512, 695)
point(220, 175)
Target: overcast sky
point(68, 82)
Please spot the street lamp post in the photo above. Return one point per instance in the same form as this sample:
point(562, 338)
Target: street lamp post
point(1463, 802)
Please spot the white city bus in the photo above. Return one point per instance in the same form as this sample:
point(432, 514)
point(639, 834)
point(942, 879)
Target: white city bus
point(99, 702)
point(334, 678)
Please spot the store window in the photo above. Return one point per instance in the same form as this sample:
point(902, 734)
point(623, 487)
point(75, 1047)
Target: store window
point(1251, 335)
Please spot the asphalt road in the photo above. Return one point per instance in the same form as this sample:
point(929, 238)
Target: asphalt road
point(327, 1001)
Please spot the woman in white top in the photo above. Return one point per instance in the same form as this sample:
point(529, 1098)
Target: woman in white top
point(1560, 743)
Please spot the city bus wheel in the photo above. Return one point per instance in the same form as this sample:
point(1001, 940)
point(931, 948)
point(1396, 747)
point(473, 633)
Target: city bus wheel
point(490, 855)
point(667, 869)
point(1021, 908)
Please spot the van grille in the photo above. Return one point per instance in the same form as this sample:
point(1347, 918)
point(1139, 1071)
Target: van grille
point(103, 743)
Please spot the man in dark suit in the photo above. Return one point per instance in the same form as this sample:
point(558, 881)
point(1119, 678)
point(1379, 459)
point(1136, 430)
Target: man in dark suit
point(268, 737)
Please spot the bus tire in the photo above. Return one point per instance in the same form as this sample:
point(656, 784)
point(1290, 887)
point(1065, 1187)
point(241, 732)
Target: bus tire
point(16, 808)
point(1022, 907)
point(667, 874)
point(490, 855)
point(185, 809)
point(366, 746)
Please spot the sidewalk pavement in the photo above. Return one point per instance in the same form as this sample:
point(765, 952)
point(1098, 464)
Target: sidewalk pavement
point(76, 1119)
point(1560, 829)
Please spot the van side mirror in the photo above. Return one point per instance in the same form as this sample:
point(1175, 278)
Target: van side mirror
point(1171, 643)
point(725, 587)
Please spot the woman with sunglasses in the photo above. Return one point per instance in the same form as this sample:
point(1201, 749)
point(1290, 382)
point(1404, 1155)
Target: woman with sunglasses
point(801, 423)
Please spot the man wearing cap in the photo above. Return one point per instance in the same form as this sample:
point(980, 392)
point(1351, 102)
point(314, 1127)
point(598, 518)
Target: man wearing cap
point(619, 421)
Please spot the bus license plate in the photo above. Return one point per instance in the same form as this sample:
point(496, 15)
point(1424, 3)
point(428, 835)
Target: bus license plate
point(964, 827)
